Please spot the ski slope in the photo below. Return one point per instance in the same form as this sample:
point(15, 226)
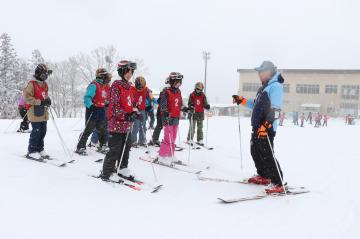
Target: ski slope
point(42, 201)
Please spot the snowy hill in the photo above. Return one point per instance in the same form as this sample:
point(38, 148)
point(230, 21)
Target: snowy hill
point(42, 201)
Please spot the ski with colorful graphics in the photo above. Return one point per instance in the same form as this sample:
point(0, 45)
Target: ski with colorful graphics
point(120, 181)
point(290, 192)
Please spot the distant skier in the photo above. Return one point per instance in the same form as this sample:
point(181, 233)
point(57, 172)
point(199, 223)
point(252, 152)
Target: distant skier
point(36, 95)
point(170, 106)
point(197, 104)
point(281, 119)
point(302, 119)
point(151, 102)
point(296, 118)
point(317, 120)
point(121, 115)
point(23, 109)
point(94, 101)
point(309, 118)
point(141, 95)
point(350, 119)
point(325, 120)
point(265, 111)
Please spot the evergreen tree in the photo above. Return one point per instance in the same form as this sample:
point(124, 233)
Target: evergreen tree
point(10, 81)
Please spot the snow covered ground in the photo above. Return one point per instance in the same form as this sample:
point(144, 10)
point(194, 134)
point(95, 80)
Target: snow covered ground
point(42, 201)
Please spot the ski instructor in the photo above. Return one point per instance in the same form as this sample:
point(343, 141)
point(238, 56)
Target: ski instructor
point(264, 119)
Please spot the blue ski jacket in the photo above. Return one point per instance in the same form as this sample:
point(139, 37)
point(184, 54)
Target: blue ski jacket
point(268, 103)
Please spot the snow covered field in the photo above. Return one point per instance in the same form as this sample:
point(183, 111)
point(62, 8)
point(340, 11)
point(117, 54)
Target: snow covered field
point(42, 201)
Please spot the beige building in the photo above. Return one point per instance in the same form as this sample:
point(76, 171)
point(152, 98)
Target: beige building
point(332, 92)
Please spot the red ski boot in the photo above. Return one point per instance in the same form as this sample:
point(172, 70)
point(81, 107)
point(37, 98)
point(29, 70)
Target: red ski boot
point(259, 180)
point(275, 189)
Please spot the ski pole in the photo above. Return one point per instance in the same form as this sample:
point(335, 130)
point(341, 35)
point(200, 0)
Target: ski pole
point(170, 139)
point(12, 122)
point(124, 146)
point(207, 130)
point(241, 157)
point(86, 124)
point(66, 150)
point(152, 165)
point(276, 163)
point(191, 137)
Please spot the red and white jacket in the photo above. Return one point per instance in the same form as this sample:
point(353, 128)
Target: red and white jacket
point(121, 101)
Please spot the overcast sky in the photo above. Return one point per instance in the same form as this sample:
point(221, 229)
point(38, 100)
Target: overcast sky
point(171, 35)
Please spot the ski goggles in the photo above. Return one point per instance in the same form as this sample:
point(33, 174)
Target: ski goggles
point(127, 64)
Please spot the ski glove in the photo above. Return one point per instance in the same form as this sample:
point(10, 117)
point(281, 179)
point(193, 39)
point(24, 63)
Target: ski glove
point(262, 132)
point(207, 107)
point(239, 100)
point(46, 102)
point(185, 109)
point(92, 108)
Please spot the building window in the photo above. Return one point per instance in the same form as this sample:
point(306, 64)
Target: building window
point(252, 87)
point(286, 88)
point(307, 89)
point(331, 89)
point(349, 108)
point(350, 92)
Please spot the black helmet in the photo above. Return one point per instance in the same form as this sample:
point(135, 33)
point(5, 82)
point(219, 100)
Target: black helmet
point(175, 77)
point(42, 72)
point(124, 66)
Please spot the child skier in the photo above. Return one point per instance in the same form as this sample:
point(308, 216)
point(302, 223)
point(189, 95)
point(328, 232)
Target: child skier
point(121, 116)
point(266, 110)
point(141, 95)
point(94, 140)
point(23, 109)
point(197, 103)
point(94, 101)
point(170, 106)
point(36, 95)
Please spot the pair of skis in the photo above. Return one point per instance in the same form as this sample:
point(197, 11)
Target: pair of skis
point(50, 161)
point(176, 165)
point(133, 184)
point(261, 195)
point(198, 146)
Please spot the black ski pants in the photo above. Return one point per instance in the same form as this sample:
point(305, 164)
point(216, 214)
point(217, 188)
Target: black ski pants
point(24, 125)
point(263, 158)
point(158, 128)
point(113, 157)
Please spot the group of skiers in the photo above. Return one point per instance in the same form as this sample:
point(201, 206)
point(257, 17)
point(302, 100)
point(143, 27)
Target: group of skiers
point(117, 114)
point(309, 118)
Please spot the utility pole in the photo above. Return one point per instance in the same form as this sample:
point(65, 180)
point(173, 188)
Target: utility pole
point(206, 57)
